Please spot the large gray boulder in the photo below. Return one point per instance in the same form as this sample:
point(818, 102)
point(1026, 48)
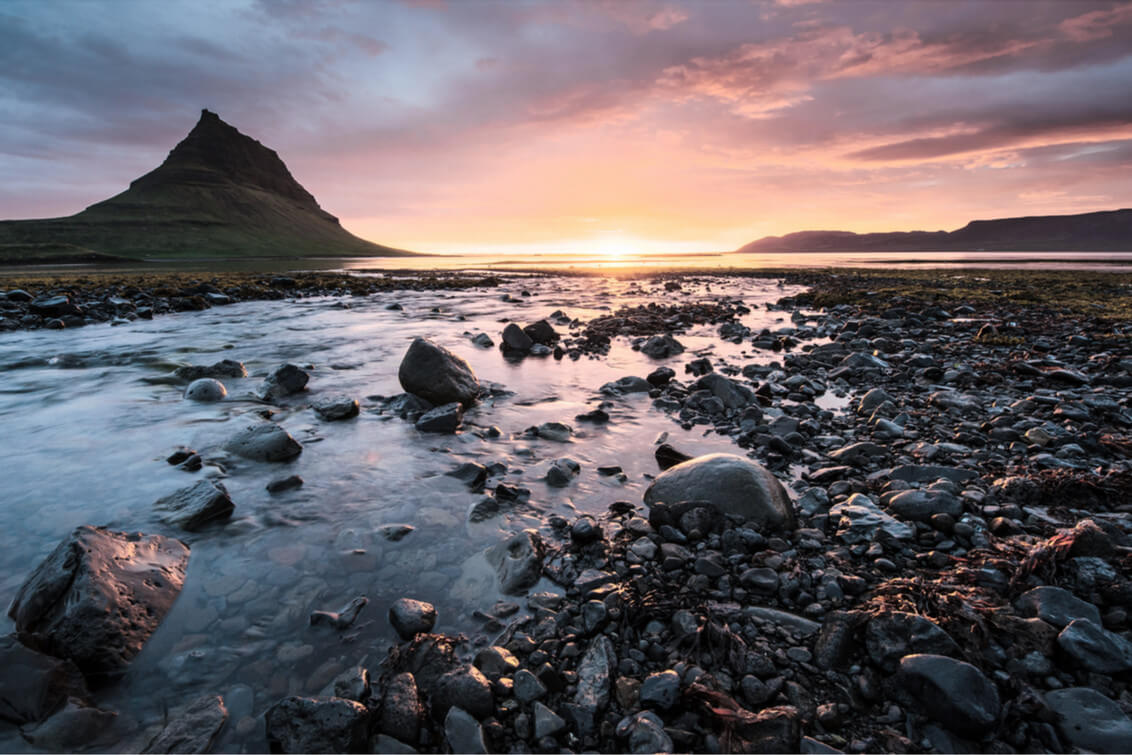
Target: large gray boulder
point(732, 484)
point(264, 441)
point(952, 692)
point(308, 724)
point(436, 374)
point(100, 595)
point(1056, 606)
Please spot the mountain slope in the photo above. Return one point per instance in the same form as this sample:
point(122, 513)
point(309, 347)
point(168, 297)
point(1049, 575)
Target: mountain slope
point(219, 193)
point(1109, 231)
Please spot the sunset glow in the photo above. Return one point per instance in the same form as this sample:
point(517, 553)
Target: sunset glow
point(595, 128)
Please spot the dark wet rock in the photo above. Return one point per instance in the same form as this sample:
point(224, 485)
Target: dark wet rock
point(34, 685)
point(733, 484)
point(858, 520)
point(952, 692)
point(437, 375)
point(893, 635)
point(265, 441)
point(921, 505)
point(592, 694)
point(556, 431)
point(697, 367)
point(562, 472)
point(225, 368)
point(1090, 721)
point(627, 384)
point(463, 733)
point(585, 530)
point(343, 617)
point(528, 687)
point(196, 506)
point(541, 332)
point(547, 722)
point(284, 483)
point(407, 406)
point(645, 733)
point(284, 380)
point(871, 400)
point(54, 306)
point(412, 617)
point(76, 725)
point(661, 347)
point(180, 456)
point(308, 724)
point(858, 454)
point(193, 728)
point(206, 390)
point(495, 662)
point(401, 709)
point(334, 408)
point(928, 473)
point(443, 419)
point(100, 595)
point(661, 376)
point(1056, 606)
point(596, 416)
point(733, 395)
point(19, 295)
point(470, 473)
point(394, 533)
point(667, 456)
point(517, 561)
point(660, 690)
point(351, 684)
point(465, 687)
point(483, 340)
point(514, 339)
point(1095, 648)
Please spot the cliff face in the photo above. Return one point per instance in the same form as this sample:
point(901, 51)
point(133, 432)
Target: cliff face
point(219, 193)
point(1091, 232)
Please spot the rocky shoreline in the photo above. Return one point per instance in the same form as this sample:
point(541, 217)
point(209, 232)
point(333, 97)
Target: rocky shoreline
point(919, 544)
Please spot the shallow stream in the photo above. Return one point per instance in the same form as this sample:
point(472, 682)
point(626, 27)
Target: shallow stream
point(89, 416)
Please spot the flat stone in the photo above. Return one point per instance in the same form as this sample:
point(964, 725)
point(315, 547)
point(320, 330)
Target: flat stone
point(336, 408)
point(192, 728)
point(547, 722)
point(265, 441)
point(922, 505)
point(952, 692)
point(798, 625)
point(196, 506)
point(463, 732)
point(225, 368)
point(100, 595)
point(1089, 720)
point(930, 473)
point(445, 418)
point(1056, 606)
point(1095, 648)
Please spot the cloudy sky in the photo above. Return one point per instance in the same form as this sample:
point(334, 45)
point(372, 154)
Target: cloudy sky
point(604, 125)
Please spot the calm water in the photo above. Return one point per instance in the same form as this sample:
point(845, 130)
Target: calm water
point(89, 417)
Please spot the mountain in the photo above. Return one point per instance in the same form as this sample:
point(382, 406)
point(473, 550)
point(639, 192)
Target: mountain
point(1091, 232)
point(219, 193)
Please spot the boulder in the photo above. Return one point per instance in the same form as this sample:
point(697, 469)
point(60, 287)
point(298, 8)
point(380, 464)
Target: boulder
point(308, 724)
point(100, 595)
point(437, 375)
point(464, 687)
point(517, 561)
point(442, 419)
point(1056, 606)
point(627, 384)
point(871, 400)
point(1094, 648)
point(225, 368)
point(193, 728)
point(334, 408)
point(1089, 720)
point(196, 506)
point(514, 339)
point(463, 732)
point(952, 692)
point(206, 390)
point(893, 635)
point(34, 685)
point(264, 441)
point(733, 395)
point(541, 332)
point(733, 484)
point(411, 617)
point(401, 709)
point(660, 347)
point(284, 380)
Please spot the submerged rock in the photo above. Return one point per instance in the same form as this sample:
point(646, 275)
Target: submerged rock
point(225, 368)
point(334, 408)
point(442, 419)
point(100, 595)
point(732, 484)
point(660, 347)
point(196, 506)
point(308, 724)
point(437, 375)
point(74, 726)
point(517, 561)
point(34, 685)
point(265, 441)
point(284, 380)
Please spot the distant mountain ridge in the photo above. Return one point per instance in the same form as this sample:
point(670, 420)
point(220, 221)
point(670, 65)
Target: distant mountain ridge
point(1109, 231)
point(219, 193)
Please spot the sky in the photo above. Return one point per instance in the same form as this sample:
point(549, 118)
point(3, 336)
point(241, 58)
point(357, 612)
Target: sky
point(602, 126)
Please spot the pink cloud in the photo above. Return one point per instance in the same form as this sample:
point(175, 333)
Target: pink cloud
point(1097, 24)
